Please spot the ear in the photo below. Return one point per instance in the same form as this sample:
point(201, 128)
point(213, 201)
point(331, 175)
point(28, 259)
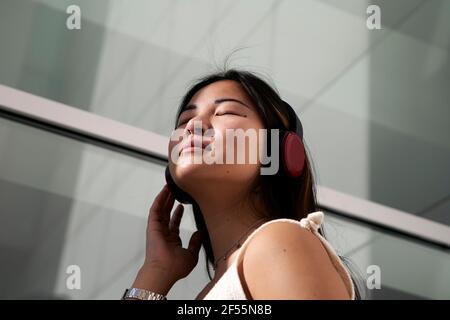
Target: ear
point(180, 195)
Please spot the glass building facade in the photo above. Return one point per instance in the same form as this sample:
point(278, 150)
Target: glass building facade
point(374, 104)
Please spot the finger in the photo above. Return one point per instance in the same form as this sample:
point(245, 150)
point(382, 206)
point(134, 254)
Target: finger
point(157, 207)
point(195, 243)
point(174, 224)
point(168, 205)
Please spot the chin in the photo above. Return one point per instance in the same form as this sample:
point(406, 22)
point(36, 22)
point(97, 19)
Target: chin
point(188, 174)
point(185, 173)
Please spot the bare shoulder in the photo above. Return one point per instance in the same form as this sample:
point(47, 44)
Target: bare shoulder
point(286, 261)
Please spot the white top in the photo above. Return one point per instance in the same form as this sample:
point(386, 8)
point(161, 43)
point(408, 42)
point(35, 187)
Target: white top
point(229, 286)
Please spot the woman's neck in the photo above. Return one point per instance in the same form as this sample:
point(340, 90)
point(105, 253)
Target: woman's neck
point(228, 218)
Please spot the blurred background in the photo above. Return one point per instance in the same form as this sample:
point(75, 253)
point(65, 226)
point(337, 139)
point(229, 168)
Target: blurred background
point(375, 105)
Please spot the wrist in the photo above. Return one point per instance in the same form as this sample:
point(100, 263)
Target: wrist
point(153, 279)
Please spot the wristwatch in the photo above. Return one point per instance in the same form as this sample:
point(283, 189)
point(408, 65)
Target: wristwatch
point(142, 294)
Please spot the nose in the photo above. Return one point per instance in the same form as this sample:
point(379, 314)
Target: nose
point(196, 127)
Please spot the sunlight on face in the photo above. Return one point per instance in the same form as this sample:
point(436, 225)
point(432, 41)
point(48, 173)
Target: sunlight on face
point(219, 107)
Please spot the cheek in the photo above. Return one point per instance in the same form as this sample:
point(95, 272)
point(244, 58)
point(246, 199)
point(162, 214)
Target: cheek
point(237, 122)
point(244, 143)
point(174, 147)
point(234, 123)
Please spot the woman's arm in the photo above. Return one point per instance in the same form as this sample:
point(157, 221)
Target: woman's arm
point(286, 261)
point(155, 280)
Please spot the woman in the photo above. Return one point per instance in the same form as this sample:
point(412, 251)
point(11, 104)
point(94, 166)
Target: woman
point(248, 223)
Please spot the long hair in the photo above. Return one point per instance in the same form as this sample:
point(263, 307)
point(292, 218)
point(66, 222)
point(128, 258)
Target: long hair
point(281, 197)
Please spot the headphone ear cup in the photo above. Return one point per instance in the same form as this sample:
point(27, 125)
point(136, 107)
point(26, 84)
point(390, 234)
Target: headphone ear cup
point(179, 194)
point(292, 154)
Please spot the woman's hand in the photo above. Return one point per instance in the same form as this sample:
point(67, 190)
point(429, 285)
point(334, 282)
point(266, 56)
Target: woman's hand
point(166, 260)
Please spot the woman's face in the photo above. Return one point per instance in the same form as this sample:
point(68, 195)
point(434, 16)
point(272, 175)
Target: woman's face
point(215, 109)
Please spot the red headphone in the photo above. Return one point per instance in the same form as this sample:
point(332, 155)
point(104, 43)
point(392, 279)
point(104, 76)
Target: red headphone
point(292, 156)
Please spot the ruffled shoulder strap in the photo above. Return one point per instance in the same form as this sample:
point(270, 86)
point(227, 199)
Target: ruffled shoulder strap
point(313, 222)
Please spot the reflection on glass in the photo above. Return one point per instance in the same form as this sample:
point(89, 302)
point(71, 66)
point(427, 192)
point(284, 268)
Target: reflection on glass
point(409, 269)
point(66, 203)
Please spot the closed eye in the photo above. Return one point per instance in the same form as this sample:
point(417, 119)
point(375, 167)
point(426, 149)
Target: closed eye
point(219, 114)
point(232, 113)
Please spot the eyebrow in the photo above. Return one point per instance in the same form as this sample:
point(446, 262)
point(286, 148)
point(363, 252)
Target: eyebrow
point(192, 106)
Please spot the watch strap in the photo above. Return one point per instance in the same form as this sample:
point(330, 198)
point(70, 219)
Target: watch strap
point(142, 294)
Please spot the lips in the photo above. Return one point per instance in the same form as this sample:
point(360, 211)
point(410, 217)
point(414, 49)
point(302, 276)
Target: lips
point(194, 142)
